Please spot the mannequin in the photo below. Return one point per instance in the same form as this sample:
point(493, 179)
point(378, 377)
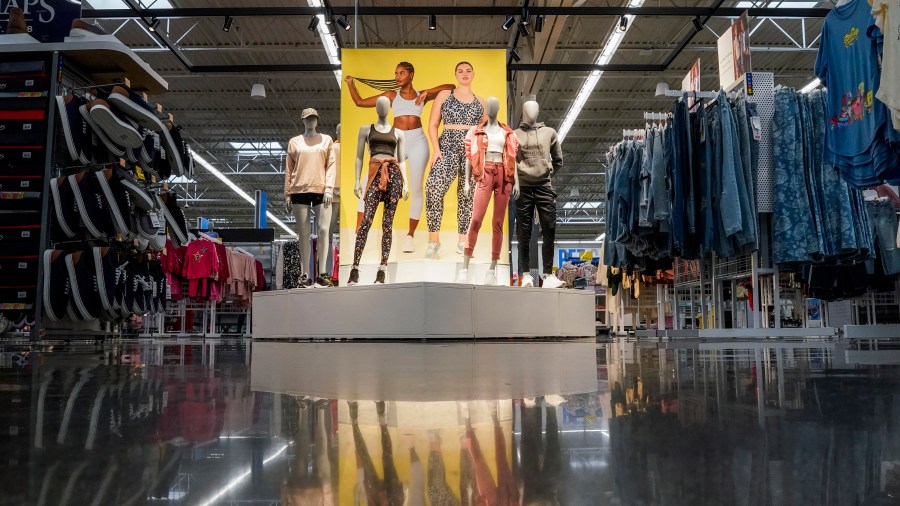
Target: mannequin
point(309, 181)
point(491, 158)
point(333, 227)
point(387, 181)
point(539, 156)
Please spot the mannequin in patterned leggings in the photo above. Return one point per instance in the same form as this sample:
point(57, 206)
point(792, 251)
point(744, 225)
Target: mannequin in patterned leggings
point(459, 110)
point(386, 182)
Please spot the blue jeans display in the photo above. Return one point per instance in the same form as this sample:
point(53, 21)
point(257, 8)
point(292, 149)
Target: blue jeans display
point(883, 227)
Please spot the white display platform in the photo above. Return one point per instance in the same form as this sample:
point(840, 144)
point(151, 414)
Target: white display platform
point(423, 310)
point(436, 271)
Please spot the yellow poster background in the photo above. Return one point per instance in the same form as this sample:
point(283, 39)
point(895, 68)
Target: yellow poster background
point(433, 67)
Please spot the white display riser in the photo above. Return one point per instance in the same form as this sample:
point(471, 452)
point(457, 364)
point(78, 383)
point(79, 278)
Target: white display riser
point(871, 331)
point(424, 372)
point(738, 333)
point(423, 310)
point(436, 271)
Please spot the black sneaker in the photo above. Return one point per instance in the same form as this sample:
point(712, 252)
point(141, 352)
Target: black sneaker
point(94, 130)
point(354, 277)
point(85, 288)
point(173, 149)
point(322, 281)
point(379, 278)
point(75, 129)
point(65, 209)
point(92, 206)
point(183, 151)
point(105, 269)
point(179, 235)
point(56, 284)
point(305, 282)
point(135, 107)
point(116, 127)
point(118, 204)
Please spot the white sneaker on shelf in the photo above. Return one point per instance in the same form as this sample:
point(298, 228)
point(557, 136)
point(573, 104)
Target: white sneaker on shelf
point(433, 250)
point(551, 281)
point(527, 280)
point(490, 279)
point(462, 276)
point(409, 245)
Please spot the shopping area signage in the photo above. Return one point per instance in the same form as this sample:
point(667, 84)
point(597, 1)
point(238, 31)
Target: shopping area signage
point(47, 20)
point(564, 255)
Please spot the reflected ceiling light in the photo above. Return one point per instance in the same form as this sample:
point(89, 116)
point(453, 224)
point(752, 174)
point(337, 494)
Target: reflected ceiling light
point(811, 86)
point(539, 23)
point(515, 55)
point(432, 22)
point(154, 23)
point(313, 23)
point(228, 22)
point(509, 22)
point(344, 23)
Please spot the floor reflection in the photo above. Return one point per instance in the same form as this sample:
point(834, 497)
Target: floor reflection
point(681, 422)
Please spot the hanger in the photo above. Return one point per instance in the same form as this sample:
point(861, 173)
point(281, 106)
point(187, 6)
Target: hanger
point(242, 250)
point(209, 237)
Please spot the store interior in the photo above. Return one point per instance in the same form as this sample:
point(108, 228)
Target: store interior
point(536, 252)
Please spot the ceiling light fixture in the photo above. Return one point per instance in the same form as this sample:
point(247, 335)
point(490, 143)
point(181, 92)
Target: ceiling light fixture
point(229, 21)
point(523, 29)
point(623, 23)
point(698, 26)
point(326, 35)
point(509, 22)
point(313, 23)
point(524, 18)
point(432, 22)
point(539, 23)
point(154, 23)
point(237, 189)
point(344, 23)
point(258, 92)
point(515, 55)
point(587, 87)
point(811, 86)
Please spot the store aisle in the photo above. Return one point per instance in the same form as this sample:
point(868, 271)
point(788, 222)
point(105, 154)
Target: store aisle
point(573, 423)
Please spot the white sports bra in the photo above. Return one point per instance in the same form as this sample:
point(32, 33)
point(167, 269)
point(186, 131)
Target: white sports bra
point(404, 107)
point(496, 141)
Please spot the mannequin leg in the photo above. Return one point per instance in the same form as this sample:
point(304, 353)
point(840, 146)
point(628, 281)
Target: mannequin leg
point(502, 191)
point(323, 226)
point(546, 208)
point(373, 197)
point(440, 178)
point(417, 154)
point(524, 225)
point(394, 193)
point(465, 202)
point(304, 229)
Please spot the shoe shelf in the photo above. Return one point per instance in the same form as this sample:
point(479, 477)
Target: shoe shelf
point(102, 58)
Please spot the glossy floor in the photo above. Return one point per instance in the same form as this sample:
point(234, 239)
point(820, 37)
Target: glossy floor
point(621, 423)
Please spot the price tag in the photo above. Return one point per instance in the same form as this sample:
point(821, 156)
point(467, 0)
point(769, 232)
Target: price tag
point(26, 234)
point(23, 265)
point(26, 155)
point(26, 127)
point(21, 295)
point(154, 219)
point(156, 143)
point(756, 123)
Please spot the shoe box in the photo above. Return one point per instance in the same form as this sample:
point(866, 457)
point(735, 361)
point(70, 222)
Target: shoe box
point(24, 102)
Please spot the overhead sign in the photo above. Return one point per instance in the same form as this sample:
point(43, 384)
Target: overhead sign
point(734, 52)
point(47, 20)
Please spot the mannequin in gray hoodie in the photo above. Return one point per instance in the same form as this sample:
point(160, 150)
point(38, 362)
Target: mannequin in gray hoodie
point(539, 156)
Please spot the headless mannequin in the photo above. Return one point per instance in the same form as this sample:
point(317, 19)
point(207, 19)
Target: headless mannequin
point(382, 108)
point(491, 128)
point(322, 214)
point(333, 229)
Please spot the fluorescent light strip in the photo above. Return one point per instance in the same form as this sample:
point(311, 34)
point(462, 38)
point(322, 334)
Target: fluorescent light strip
point(241, 477)
point(328, 39)
point(587, 87)
point(811, 86)
point(237, 189)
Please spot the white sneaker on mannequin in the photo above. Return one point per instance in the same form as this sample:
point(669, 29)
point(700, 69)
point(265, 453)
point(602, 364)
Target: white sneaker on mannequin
point(462, 276)
point(409, 245)
point(490, 279)
point(527, 280)
point(551, 281)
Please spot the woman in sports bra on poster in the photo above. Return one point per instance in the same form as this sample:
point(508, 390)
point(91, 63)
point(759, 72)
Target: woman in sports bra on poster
point(407, 105)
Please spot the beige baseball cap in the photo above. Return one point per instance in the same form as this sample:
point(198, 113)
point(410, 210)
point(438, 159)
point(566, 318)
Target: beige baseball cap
point(308, 112)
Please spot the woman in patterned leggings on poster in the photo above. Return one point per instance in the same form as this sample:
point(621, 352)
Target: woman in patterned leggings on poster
point(459, 110)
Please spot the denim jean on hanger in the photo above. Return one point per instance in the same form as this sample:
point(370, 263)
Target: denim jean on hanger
point(722, 246)
point(808, 144)
point(731, 204)
point(646, 214)
point(688, 172)
point(793, 230)
point(743, 239)
point(658, 179)
point(751, 218)
point(883, 227)
point(679, 219)
point(707, 210)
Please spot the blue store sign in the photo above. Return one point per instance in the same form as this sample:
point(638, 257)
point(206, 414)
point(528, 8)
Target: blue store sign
point(48, 20)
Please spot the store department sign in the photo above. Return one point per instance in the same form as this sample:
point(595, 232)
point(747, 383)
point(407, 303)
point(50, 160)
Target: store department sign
point(47, 20)
point(734, 52)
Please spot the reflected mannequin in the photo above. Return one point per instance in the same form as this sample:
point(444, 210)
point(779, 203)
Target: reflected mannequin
point(439, 492)
point(491, 161)
point(388, 491)
point(541, 462)
point(309, 191)
point(309, 478)
point(538, 158)
point(504, 492)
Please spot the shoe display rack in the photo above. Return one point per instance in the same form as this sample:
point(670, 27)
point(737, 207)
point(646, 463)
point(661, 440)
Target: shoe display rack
point(83, 204)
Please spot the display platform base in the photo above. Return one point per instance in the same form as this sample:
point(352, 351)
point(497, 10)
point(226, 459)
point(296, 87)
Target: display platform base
point(436, 271)
point(423, 311)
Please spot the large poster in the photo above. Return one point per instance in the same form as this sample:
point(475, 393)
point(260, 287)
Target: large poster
point(734, 52)
point(376, 72)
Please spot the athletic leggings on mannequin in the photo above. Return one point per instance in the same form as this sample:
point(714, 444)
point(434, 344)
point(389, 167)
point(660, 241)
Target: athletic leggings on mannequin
point(417, 154)
point(374, 195)
point(504, 492)
point(439, 492)
point(442, 175)
point(389, 490)
point(493, 183)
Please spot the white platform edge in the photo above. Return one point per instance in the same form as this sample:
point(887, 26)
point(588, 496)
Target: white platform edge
point(871, 331)
point(423, 310)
